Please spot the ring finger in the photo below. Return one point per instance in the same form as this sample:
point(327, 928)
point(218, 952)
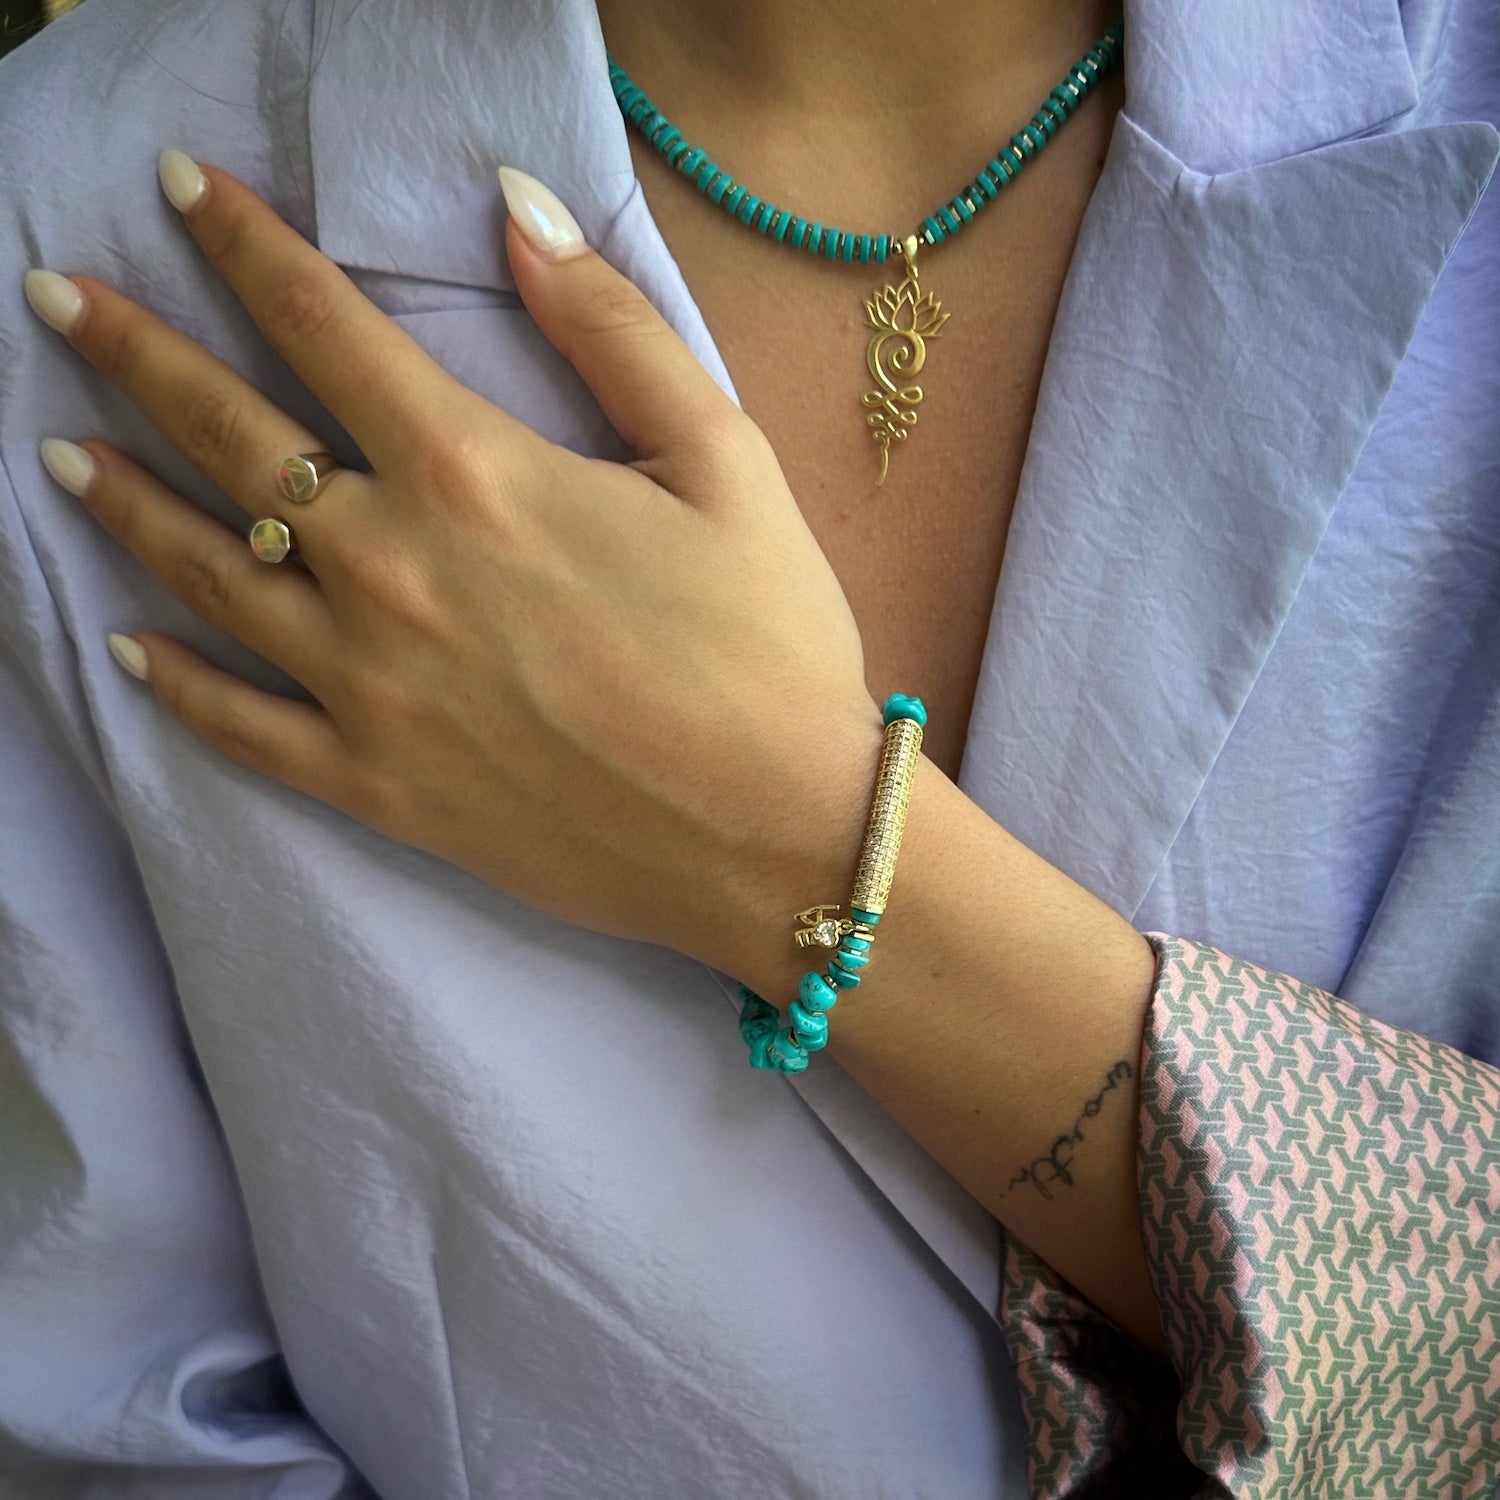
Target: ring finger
point(280, 613)
point(211, 414)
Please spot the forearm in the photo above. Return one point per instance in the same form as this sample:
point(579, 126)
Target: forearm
point(999, 1021)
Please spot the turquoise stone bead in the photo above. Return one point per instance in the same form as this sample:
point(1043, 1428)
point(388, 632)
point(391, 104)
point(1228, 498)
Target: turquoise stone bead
point(811, 1026)
point(883, 247)
point(842, 977)
point(757, 1018)
point(799, 231)
point(722, 186)
point(855, 942)
point(831, 243)
point(690, 163)
point(933, 228)
point(783, 223)
point(732, 200)
point(864, 247)
point(962, 208)
point(764, 217)
point(786, 1054)
point(760, 1050)
point(847, 959)
point(815, 992)
point(949, 219)
point(758, 1038)
point(815, 238)
point(870, 918)
point(903, 706)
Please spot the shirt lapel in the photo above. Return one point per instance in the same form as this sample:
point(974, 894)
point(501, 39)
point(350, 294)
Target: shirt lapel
point(1227, 333)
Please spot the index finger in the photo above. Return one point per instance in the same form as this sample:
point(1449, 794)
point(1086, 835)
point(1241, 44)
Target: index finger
point(385, 389)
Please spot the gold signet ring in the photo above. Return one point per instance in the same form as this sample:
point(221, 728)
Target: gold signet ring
point(300, 475)
point(271, 540)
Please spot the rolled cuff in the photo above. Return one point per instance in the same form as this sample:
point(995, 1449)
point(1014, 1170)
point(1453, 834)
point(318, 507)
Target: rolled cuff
point(1320, 1206)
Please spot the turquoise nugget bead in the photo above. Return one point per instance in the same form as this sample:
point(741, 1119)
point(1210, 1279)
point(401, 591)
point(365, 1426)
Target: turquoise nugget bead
point(853, 944)
point(851, 958)
point(760, 1048)
point(755, 1021)
point(842, 977)
point(900, 706)
point(811, 1027)
point(787, 1054)
point(815, 992)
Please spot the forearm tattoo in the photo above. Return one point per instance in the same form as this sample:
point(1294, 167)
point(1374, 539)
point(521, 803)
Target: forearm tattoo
point(1054, 1168)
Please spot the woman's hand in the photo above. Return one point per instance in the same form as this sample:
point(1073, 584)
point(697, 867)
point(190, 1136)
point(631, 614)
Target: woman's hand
point(616, 691)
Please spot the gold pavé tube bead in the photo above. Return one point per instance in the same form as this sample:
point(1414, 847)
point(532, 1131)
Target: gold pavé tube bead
point(877, 859)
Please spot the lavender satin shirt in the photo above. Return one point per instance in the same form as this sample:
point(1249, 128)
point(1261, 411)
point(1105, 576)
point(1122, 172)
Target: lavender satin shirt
point(326, 1170)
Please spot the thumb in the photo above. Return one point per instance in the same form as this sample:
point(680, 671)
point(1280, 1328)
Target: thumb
point(650, 385)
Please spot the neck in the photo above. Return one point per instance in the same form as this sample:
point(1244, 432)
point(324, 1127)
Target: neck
point(916, 61)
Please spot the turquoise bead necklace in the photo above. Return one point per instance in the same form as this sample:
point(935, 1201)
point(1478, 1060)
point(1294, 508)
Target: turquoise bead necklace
point(901, 319)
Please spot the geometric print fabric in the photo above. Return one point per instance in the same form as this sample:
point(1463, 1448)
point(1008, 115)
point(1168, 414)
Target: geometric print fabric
point(1320, 1205)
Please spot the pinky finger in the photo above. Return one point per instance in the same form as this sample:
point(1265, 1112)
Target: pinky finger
point(293, 742)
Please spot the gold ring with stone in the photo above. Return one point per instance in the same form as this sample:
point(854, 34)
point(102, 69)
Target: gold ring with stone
point(271, 540)
point(300, 475)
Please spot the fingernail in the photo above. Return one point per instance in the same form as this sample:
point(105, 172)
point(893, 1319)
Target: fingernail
point(181, 180)
point(540, 215)
point(71, 466)
point(54, 299)
point(129, 653)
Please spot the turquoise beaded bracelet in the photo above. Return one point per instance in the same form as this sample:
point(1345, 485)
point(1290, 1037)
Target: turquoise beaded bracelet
point(788, 1048)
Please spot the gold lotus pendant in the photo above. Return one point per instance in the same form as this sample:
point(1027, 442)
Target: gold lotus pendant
point(903, 322)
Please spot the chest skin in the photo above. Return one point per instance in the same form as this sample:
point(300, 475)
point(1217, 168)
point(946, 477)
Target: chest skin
point(919, 556)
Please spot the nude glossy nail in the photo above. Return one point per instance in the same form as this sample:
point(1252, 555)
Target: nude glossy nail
point(129, 653)
point(540, 215)
point(71, 466)
point(181, 180)
point(54, 299)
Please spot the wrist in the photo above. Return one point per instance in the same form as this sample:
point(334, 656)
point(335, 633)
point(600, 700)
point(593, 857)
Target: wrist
point(804, 856)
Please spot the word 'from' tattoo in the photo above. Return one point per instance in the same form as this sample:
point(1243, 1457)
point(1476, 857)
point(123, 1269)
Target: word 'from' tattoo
point(1054, 1168)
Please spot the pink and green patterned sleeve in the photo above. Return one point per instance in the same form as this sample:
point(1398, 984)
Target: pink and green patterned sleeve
point(1320, 1202)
